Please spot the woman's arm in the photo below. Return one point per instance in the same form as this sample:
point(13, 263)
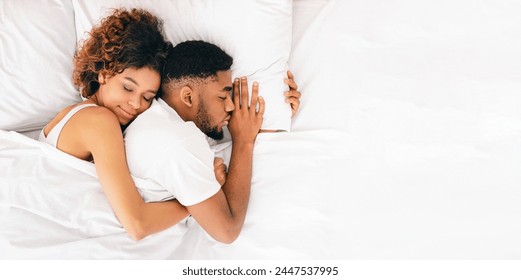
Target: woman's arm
point(101, 135)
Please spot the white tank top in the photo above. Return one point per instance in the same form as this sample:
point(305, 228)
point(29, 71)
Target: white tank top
point(52, 137)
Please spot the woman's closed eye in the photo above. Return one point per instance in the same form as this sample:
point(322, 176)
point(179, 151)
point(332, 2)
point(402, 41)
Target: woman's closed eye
point(127, 88)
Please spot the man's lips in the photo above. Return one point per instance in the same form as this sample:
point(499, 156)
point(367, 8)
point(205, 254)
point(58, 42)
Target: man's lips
point(226, 120)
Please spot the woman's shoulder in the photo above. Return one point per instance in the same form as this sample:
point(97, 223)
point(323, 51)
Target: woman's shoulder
point(96, 114)
point(85, 126)
point(95, 121)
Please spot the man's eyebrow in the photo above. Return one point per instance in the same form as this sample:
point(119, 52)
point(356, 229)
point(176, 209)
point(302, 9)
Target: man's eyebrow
point(227, 89)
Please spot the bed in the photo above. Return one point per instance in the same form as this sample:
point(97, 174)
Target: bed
point(406, 144)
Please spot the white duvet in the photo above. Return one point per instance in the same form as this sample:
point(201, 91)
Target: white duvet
point(407, 145)
point(52, 205)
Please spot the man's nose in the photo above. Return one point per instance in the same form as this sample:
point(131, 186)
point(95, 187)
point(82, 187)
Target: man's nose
point(229, 106)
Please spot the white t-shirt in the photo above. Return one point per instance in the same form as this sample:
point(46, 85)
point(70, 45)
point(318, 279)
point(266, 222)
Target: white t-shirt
point(169, 158)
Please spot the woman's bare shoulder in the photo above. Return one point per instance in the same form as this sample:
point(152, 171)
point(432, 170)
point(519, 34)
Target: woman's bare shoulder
point(97, 122)
point(89, 127)
point(96, 115)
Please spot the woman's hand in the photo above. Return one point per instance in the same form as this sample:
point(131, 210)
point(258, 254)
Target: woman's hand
point(219, 168)
point(293, 95)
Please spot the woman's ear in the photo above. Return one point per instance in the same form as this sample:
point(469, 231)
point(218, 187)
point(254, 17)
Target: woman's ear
point(187, 96)
point(101, 78)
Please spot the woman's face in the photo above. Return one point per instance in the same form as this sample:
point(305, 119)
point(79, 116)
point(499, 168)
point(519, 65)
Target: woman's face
point(128, 93)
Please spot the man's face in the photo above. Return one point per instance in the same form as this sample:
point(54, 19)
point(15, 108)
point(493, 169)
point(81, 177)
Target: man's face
point(215, 105)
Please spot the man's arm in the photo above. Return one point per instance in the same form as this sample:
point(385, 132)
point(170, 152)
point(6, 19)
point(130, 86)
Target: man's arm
point(222, 215)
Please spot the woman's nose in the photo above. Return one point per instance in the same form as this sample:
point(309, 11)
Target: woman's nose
point(134, 103)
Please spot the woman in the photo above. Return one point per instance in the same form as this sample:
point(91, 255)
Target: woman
point(118, 72)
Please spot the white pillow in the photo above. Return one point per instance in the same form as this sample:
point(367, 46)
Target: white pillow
point(37, 43)
point(256, 33)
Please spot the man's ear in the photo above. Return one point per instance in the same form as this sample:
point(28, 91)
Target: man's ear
point(187, 96)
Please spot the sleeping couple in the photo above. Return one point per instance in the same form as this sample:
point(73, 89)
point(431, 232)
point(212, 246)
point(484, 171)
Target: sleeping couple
point(181, 94)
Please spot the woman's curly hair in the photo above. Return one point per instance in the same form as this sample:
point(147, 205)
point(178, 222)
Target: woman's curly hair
point(124, 39)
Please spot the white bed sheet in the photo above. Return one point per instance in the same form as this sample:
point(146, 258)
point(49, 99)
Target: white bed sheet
point(60, 212)
point(429, 95)
point(406, 146)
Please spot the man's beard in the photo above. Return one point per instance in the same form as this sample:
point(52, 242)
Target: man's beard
point(203, 122)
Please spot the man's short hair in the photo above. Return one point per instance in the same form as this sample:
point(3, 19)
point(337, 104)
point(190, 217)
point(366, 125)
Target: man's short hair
point(192, 62)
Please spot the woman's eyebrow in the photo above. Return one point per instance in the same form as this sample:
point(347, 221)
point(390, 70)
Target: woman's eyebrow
point(135, 82)
point(132, 80)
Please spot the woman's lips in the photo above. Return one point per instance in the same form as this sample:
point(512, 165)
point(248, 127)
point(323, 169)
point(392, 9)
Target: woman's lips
point(127, 114)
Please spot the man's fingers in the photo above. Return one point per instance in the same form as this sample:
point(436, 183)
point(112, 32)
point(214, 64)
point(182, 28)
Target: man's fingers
point(254, 96)
point(244, 92)
point(261, 106)
point(236, 93)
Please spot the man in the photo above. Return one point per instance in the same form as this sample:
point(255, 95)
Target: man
point(167, 143)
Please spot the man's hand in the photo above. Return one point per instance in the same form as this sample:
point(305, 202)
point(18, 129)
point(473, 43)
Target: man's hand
point(292, 96)
point(246, 121)
point(219, 168)
point(222, 215)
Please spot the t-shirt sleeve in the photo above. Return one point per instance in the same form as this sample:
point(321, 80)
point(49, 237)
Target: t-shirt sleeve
point(186, 170)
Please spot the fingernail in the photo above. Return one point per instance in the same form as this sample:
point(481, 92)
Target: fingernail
point(287, 100)
point(286, 93)
point(260, 97)
point(255, 84)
